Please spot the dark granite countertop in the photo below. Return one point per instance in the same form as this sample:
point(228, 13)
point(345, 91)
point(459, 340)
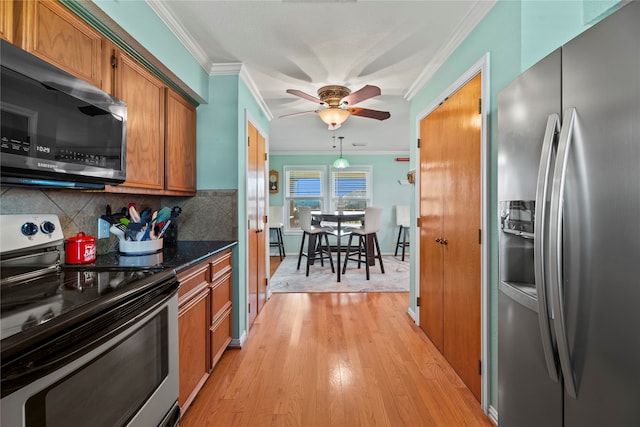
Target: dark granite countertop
point(179, 257)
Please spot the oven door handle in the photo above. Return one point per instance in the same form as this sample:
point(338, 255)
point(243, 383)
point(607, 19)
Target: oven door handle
point(43, 360)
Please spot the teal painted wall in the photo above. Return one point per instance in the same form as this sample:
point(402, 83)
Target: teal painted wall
point(218, 136)
point(516, 35)
point(142, 23)
point(387, 192)
point(547, 24)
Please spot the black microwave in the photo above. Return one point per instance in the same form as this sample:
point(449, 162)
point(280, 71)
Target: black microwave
point(57, 130)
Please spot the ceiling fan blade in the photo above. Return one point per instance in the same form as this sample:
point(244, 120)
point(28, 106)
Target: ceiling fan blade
point(360, 95)
point(298, 114)
point(304, 95)
point(371, 114)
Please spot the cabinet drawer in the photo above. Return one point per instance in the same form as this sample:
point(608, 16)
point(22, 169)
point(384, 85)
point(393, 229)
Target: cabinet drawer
point(221, 264)
point(220, 337)
point(220, 297)
point(192, 347)
point(193, 278)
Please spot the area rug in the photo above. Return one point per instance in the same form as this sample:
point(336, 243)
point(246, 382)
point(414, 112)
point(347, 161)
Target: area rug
point(321, 279)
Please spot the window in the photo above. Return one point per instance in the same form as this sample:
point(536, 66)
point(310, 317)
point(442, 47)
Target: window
point(351, 188)
point(304, 186)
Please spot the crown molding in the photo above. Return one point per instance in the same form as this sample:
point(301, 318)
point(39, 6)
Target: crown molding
point(176, 28)
point(246, 78)
point(231, 68)
point(225, 69)
point(473, 18)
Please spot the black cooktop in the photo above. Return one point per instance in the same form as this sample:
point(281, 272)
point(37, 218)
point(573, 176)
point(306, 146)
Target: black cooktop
point(33, 303)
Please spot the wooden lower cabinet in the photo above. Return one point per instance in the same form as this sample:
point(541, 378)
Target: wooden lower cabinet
point(204, 322)
point(192, 336)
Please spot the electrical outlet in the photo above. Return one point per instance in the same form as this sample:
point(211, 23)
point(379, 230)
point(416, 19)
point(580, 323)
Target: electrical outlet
point(103, 229)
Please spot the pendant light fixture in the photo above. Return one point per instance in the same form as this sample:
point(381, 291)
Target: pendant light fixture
point(341, 162)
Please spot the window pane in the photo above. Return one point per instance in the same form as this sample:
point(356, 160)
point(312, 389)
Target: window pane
point(350, 184)
point(304, 184)
point(351, 188)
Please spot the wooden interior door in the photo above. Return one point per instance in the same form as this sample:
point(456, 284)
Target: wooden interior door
point(462, 303)
point(450, 205)
point(256, 208)
point(432, 172)
point(261, 190)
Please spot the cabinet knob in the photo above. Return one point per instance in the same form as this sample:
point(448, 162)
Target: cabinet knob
point(438, 240)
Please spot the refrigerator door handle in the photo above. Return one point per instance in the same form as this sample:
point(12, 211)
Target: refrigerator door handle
point(539, 244)
point(555, 249)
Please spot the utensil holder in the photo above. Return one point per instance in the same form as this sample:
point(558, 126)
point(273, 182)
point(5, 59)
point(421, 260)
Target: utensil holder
point(133, 247)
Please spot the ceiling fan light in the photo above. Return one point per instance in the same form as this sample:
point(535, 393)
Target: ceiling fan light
point(341, 163)
point(333, 115)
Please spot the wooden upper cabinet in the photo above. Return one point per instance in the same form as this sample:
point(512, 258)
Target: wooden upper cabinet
point(6, 20)
point(180, 150)
point(145, 97)
point(161, 124)
point(50, 31)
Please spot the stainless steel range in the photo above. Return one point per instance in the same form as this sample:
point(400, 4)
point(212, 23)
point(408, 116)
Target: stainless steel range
point(82, 345)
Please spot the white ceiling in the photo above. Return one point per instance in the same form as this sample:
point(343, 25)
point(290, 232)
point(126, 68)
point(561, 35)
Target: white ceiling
point(307, 44)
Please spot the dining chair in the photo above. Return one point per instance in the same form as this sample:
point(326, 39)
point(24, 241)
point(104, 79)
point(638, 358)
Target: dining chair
point(315, 247)
point(402, 221)
point(276, 224)
point(367, 241)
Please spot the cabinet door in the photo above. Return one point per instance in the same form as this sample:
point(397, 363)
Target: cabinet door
point(193, 346)
point(180, 151)
point(52, 32)
point(6, 20)
point(144, 94)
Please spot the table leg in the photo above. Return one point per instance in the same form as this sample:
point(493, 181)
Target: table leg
point(338, 245)
point(371, 259)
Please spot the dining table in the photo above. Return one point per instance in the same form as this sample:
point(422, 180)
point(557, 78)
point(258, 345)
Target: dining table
point(339, 218)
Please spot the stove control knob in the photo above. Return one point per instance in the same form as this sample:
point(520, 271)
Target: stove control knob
point(29, 229)
point(47, 227)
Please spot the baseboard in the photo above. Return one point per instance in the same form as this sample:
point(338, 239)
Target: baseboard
point(238, 342)
point(493, 414)
point(412, 314)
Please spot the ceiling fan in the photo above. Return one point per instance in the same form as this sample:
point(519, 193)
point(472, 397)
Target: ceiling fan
point(338, 102)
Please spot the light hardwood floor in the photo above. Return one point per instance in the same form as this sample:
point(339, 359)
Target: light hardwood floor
point(320, 360)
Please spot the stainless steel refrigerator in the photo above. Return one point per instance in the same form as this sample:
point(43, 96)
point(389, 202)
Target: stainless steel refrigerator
point(569, 243)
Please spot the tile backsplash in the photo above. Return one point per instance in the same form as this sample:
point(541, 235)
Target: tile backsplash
point(209, 215)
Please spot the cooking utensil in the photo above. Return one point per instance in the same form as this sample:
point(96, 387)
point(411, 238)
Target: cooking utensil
point(163, 214)
point(152, 233)
point(133, 213)
point(118, 231)
point(174, 213)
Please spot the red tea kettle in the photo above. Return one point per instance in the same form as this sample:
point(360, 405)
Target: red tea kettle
point(80, 249)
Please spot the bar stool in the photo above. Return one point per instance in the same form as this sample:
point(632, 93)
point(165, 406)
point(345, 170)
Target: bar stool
point(276, 224)
point(402, 221)
point(367, 240)
point(315, 248)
